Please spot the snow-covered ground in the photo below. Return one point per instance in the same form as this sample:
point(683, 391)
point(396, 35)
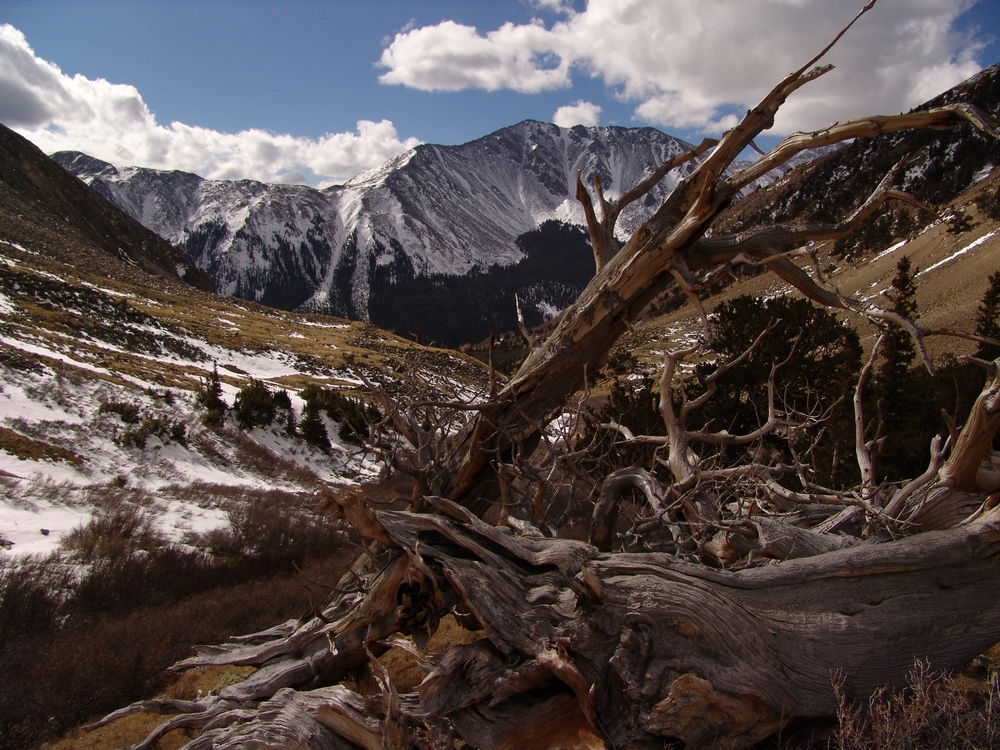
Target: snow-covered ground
point(44, 497)
point(64, 439)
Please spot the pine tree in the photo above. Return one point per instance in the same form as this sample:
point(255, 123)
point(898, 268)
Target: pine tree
point(312, 428)
point(210, 398)
point(821, 359)
point(255, 405)
point(898, 350)
point(904, 390)
point(988, 319)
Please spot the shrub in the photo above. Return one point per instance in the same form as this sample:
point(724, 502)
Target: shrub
point(129, 413)
point(353, 414)
point(92, 628)
point(282, 400)
point(178, 433)
point(115, 532)
point(960, 223)
point(934, 712)
point(265, 534)
point(988, 203)
point(30, 596)
point(255, 405)
point(161, 427)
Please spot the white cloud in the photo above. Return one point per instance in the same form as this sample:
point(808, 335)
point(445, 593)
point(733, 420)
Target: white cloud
point(453, 57)
point(580, 113)
point(694, 65)
point(112, 122)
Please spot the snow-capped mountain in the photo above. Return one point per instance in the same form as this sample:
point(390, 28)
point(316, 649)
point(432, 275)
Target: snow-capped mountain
point(432, 210)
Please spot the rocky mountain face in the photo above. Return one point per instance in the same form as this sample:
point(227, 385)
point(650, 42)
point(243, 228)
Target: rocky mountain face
point(933, 166)
point(433, 213)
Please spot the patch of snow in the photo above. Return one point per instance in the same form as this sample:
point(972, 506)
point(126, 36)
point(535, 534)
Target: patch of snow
point(889, 250)
point(548, 310)
point(6, 306)
point(982, 174)
point(44, 351)
point(19, 247)
point(957, 253)
point(105, 290)
point(178, 519)
point(22, 524)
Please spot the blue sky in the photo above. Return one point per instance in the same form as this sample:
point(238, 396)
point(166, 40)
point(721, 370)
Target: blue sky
point(316, 91)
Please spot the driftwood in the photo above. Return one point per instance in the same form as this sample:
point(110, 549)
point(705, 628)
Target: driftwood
point(735, 604)
point(581, 647)
point(622, 649)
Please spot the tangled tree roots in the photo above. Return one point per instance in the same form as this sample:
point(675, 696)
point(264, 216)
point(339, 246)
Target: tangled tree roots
point(582, 648)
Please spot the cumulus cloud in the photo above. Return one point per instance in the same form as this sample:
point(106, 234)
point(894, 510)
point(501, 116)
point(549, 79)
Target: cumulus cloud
point(453, 57)
point(699, 65)
point(112, 122)
point(580, 113)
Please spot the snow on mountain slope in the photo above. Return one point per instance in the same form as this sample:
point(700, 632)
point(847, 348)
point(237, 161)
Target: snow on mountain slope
point(435, 209)
point(268, 243)
point(99, 384)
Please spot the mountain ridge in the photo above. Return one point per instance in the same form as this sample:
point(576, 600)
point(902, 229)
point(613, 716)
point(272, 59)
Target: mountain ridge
point(432, 210)
point(449, 214)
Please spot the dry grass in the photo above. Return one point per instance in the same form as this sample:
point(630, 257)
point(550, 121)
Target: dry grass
point(935, 712)
point(132, 729)
point(29, 449)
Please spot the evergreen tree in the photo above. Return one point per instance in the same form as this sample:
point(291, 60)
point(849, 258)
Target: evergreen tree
point(210, 398)
point(821, 359)
point(254, 405)
point(898, 350)
point(988, 204)
point(904, 389)
point(312, 427)
point(635, 404)
point(988, 319)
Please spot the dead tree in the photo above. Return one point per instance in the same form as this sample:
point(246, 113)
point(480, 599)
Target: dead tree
point(582, 647)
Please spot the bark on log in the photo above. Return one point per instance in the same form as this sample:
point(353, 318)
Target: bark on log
point(773, 639)
point(584, 647)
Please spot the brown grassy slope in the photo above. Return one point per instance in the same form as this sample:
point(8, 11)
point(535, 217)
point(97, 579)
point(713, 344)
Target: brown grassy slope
point(46, 209)
point(947, 297)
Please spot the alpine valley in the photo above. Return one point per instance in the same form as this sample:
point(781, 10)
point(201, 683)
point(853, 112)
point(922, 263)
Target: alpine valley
point(475, 223)
point(154, 431)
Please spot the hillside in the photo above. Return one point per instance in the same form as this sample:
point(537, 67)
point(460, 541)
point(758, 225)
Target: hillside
point(103, 353)
point(67, 221)
point(952, 271)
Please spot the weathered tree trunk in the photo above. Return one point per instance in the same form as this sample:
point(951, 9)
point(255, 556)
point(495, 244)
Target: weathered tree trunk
point(627, 649)
point(585, 648)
